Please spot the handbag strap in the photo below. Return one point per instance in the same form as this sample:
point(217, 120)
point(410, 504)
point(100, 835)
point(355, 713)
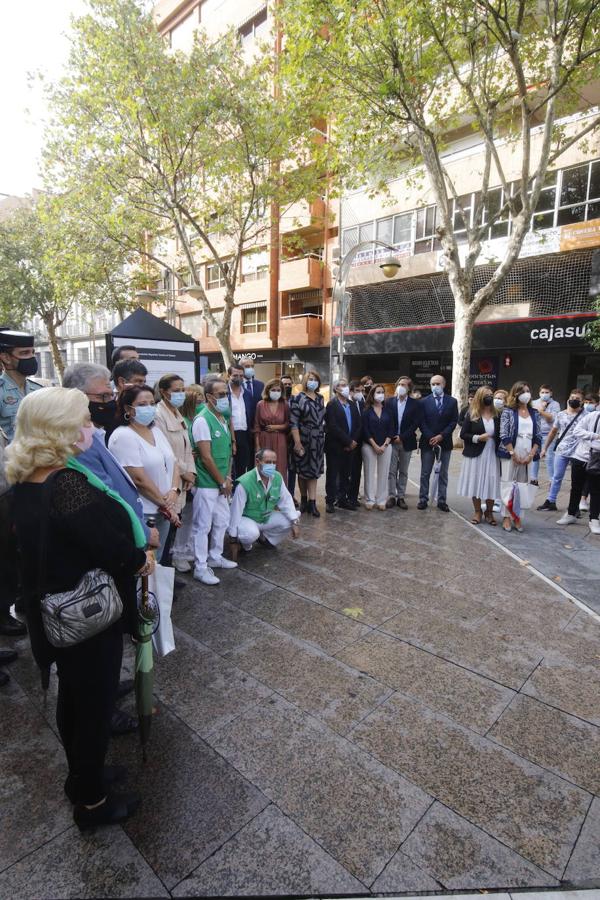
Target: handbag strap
point(568, 428)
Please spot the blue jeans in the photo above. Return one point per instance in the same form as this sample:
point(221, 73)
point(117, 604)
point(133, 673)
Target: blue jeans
point(427, 461)
point(550, 463)
point(560, 467)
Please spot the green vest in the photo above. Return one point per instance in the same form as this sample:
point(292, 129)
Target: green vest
point(220, 439)
point(259, 503)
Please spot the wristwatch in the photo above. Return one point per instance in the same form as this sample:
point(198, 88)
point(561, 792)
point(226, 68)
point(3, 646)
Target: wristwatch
point(223, 485)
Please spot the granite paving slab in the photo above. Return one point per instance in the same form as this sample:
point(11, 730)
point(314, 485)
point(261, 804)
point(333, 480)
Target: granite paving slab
point(270, 855)
point(104, 863)
point(358, 810)
point(464, 696)
point(201, 688)
point(461, 856)
point(369, 607)
point(401, 875)
point(506, 659)
point(18, 716)
point(265, 653)
point(192, 800)
point(33, 806)
point(571, 687)
point(584, 865)
point(305, 619)
point(552, 739)
point(531, 810)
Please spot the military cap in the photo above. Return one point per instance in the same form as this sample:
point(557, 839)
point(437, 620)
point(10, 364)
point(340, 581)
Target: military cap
point(11, 339)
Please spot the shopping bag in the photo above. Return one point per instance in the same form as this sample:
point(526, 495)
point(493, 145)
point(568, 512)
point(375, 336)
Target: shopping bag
point(437, 468)
point(161, 583)
point(527, 494)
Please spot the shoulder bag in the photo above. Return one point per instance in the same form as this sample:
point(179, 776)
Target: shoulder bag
point(592, 467)
point(73, 616)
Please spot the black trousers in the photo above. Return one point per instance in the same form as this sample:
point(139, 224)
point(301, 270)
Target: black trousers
point(579, 477)
point(243, 459)
point(88, 678)
point(337, 476)
point(355, 473)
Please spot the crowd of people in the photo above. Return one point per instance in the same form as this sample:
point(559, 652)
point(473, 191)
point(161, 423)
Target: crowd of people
point(110, 473)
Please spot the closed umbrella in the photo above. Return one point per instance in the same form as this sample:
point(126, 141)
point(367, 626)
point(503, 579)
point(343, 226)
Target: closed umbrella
point(437, 468)
point(148, 615)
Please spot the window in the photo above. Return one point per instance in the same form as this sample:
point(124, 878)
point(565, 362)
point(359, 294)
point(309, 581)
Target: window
point(349, 239)
point(255, 265)
point(385, 230)
point(579, 186)
point(254, 319)
point(425, 230)
point(462, 216)
point(182, 36)
point(495, 202)
point(255, 29)
point(366, 232)
point(543, 216)
point(403, 229)
point(214, 277)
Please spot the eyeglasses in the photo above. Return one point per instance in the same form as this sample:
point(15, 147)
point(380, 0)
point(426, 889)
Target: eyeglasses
point(101, 398)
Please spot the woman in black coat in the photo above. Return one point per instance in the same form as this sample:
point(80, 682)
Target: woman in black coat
point(480, 472)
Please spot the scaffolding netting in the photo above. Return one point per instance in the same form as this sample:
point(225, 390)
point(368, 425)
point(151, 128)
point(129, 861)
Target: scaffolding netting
point(560, 284)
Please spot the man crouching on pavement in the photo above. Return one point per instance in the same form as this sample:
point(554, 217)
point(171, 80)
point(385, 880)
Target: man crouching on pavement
point(262, 508)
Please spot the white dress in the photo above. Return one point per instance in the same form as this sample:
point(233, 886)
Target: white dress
point(156, 459)
point(480, 475)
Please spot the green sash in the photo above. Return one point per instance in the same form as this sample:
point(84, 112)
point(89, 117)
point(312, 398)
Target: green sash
point(139, 535)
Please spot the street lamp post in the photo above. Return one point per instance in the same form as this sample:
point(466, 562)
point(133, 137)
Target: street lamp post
point(389, 267)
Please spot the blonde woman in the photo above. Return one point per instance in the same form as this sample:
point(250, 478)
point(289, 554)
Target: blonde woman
point(272, 424)
point(480, 472)
point(83, 527)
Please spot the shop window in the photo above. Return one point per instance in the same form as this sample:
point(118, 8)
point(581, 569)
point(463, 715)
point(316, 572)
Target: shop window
point(254, 321)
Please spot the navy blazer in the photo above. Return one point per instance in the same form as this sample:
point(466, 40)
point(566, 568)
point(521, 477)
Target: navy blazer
point(337, 435)
point(250, 403)
point(432, 422)
point(410, 420)
point(472, 427)
point(377, 427)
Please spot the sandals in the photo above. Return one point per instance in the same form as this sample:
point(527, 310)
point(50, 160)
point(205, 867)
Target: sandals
point(505, 527)
point(490, 520)
point(475, 520)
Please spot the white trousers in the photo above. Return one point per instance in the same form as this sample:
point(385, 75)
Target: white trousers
point(211, 517)
point(183, 546)
point(275, 529)
point(376, 470)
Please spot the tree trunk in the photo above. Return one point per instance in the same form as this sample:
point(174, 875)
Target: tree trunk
point(57, 358)
point(461, 351)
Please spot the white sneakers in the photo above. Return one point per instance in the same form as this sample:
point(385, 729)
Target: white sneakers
point(206, 576)
point(566, 519)
point(182, 565)
point(222, 563)
point(595, 526)
point(584, 505)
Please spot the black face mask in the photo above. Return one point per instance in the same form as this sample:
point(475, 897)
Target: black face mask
point(487, 401)
point(575, 403)
point(103, 414)
point(287, 390)
point(237, 380)
point(27, 366)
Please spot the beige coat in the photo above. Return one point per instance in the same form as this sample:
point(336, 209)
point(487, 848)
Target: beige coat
point(175, 430)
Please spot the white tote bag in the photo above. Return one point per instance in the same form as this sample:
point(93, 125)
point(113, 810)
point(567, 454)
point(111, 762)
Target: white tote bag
point(161, 584)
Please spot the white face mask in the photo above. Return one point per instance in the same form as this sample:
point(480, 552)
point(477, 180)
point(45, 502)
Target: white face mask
point(401, 391)
point(525, 397)
point(379, 396)
point(545, 395)
point(498, 402)
point(589, 407)
point(344, 391)
point(275, 395)
point(359, 396)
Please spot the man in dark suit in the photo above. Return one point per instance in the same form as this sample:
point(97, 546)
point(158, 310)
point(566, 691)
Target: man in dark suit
point(243, 409)
point(406, 414)
point(342, 437)
point(439, 417)
point(357, 393)
point(253, 387)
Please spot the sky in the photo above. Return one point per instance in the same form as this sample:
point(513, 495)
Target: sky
point(34, 39)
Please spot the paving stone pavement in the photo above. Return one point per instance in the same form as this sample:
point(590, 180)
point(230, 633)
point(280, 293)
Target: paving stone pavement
point(389, 705)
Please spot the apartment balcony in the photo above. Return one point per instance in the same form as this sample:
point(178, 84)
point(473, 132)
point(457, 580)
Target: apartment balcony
point(301, 274)
point(300, 331)
point(303, 217)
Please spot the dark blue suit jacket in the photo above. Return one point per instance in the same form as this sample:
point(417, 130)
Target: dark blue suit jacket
point(433, 422)
point(410, 420)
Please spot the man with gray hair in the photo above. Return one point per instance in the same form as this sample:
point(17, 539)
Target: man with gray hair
point(343, 428)
point(262, 508)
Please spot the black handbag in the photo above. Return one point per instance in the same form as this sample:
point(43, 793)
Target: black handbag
point(73, 616)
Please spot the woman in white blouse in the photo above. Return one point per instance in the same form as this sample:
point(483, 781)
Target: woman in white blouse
point(146, 455)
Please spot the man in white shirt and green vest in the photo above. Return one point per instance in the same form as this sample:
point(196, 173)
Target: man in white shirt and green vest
point(263, 508)
point(212, 439)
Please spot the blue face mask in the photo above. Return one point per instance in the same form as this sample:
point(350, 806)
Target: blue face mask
point(437, 390)
point(312, 385)
point(177, 398)
point(269, 469)
point(144, 415)
point(222, 405)
point(249, 372)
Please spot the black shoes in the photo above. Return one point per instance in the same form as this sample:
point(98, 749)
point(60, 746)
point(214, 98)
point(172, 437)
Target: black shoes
point(535, 482)
point(7, 656)
point(422, 504)
point(11, 627)
point(390, 502)
point(116, 808)
point(444, 507)
point(311, 507)
point(121, 723)
point(346, 504)
point(548, 505)
point(329, 507)
point(303, 504)
point(112, 775)
point(401, 502)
